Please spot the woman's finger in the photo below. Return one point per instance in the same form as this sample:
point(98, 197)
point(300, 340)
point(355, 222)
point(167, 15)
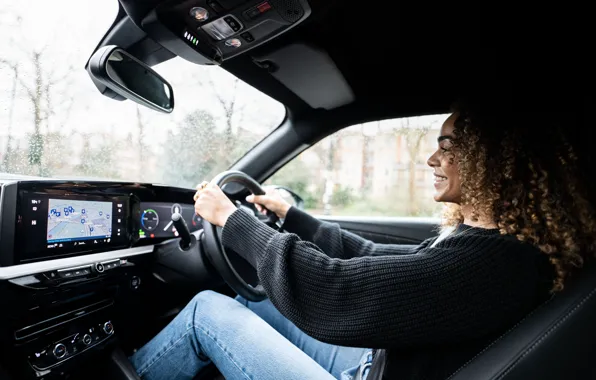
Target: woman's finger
point(200, 187)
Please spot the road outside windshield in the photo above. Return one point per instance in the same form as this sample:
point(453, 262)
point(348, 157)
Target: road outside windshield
point(54, 122)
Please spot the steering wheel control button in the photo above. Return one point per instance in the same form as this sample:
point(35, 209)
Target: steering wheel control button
point(87, 339)
point(59, 351)
point(99, 268)
point(135, 282)
point(108, 328)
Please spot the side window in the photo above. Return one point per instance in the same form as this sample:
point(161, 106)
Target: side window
point(372, 169)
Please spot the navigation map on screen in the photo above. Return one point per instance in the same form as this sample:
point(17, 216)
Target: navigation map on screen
point(70, 220)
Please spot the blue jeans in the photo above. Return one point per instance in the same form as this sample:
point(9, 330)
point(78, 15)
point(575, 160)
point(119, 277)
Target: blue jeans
point(245, 340)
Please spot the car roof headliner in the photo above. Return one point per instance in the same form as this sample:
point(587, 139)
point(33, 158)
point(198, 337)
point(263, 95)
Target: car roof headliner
point(395, 58)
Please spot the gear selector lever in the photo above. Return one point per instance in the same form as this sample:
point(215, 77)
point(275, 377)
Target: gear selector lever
point(186, 239)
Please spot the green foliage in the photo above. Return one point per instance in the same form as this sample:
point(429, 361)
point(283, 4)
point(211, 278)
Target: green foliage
point(297, 176)
point(35, 148)
point(197, 151)
point(342, 196)
point(97, 161)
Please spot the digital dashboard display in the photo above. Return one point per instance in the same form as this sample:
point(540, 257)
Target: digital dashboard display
point(56, 225)
point(155, 219)
point(72, 220)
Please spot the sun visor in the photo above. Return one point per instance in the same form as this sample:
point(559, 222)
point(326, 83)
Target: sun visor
point(311, 74)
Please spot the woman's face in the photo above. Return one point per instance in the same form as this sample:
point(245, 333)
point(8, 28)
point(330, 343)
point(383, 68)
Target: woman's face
point(444, 162)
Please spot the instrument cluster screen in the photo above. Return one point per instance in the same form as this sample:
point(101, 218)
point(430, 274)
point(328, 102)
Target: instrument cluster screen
point(155, 219)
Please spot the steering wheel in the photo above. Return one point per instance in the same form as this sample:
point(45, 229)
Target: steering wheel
point(215, 250)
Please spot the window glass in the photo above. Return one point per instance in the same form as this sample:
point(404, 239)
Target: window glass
point(375, 169)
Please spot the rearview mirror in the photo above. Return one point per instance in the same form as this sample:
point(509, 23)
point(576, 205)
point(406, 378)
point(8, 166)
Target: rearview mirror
point(291, 197)
point(131, 78)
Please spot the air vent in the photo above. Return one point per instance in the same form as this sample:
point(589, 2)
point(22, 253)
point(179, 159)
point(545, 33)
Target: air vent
point(290, 10)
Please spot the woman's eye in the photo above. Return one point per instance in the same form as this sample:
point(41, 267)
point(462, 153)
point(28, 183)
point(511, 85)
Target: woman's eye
point(444, 146)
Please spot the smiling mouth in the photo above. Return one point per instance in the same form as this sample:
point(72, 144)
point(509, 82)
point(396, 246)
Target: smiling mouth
point(439, 178)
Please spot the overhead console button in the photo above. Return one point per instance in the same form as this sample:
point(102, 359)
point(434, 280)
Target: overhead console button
point(222, 28)
point(215, 6)
point(252, 13)
point(257, 10)
point(247, 37)
point(235, 25)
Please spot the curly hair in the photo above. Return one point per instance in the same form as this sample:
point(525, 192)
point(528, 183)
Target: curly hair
point(521, 169)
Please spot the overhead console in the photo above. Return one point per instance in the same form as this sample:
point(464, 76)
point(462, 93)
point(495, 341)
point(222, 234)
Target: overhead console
point(211, 31)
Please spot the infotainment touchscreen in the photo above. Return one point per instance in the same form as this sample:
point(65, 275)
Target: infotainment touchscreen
point(71, 220)
point(51, 226)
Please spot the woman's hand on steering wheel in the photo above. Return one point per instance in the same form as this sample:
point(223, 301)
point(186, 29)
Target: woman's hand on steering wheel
point(272, 201)
point(212, 204)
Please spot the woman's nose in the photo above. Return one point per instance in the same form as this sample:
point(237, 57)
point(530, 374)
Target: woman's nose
point(433, 161)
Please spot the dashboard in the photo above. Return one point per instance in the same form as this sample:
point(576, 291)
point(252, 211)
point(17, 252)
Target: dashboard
point(46, 220)
point(83, 261)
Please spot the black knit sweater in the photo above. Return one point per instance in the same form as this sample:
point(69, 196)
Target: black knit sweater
point(428, 309)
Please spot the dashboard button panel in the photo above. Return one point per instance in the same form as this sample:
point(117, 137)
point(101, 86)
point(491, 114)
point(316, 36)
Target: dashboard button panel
point(53, 354)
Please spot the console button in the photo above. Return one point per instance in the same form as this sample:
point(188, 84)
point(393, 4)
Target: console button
point(59, 351)
point(135, 282)
point(65, 274)
point(87, 339)
point(111, 265)
point(108, 328)
point(99, 268)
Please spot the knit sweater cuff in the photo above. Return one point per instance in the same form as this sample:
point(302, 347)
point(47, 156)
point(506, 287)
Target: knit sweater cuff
point(247, 236)
point(301, 224)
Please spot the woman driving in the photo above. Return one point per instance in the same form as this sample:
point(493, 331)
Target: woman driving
point(518, 222)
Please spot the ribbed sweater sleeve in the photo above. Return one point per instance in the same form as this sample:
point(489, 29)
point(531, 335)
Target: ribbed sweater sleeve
point(463, 288)
point(339, 243)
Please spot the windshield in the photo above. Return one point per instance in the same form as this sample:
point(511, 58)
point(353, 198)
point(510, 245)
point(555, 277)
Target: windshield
point(55, 123)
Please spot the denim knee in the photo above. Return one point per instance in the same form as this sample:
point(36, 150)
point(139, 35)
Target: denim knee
point(208, 306)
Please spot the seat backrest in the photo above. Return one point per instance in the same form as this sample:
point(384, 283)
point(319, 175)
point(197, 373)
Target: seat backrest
point(556, 341)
